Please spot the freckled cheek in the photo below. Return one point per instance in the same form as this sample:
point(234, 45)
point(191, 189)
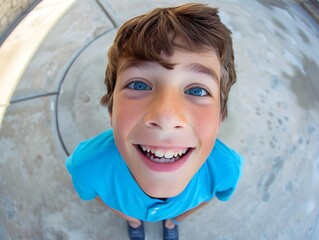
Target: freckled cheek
point(206, 124)
point(125, 113)
point(122, 123)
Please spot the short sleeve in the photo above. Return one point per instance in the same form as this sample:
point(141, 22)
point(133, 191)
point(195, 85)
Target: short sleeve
point(226, 194)
point(80, 180)
point(227, 170)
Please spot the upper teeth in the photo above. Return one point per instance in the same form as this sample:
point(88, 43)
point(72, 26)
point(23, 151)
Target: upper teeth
point(164, 153)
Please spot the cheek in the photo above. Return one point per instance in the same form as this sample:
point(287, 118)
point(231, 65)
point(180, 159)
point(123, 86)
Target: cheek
point(122, 124)
point(206, 124)
point(124, 116)
point(206, 121)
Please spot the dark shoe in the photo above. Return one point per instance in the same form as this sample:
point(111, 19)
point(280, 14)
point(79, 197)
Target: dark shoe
point(170, 234)
point(136, 233)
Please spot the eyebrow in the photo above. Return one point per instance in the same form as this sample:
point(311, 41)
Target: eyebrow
point(199, 68)
point(141, 64)
point(149, 65)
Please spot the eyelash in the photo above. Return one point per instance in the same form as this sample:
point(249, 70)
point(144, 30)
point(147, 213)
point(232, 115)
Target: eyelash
point(206, 93)
point(133, 84)
point(145, 87)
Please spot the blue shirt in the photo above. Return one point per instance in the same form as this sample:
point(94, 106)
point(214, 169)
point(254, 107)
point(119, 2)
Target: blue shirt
point(98, 169)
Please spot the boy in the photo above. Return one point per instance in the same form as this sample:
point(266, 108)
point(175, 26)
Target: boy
point(168, 78)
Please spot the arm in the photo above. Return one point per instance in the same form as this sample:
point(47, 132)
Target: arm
point(100, 201)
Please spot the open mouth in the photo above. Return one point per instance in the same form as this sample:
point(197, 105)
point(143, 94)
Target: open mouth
point(163, 156)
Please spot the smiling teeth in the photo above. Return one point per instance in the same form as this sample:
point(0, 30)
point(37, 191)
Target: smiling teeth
point(161, 153)
point(158, 155)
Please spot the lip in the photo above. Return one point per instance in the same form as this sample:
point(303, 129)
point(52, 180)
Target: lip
point(164, 167)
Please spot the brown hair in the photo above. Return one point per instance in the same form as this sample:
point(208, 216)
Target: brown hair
point(147, 36)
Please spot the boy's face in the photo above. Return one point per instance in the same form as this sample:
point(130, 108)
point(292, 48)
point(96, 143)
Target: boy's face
point(165, 121)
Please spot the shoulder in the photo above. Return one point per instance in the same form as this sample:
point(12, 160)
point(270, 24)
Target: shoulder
point(93, 161)
point(225, 157)
point(225, 168)
point(92, 149)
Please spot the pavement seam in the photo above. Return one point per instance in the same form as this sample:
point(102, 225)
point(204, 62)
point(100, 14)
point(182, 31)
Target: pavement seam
point(17, 51)
point(66, 70)
point(33, 97)
point(109, 16)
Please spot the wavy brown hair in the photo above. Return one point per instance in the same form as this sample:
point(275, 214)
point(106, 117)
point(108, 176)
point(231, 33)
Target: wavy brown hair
point(148, 36)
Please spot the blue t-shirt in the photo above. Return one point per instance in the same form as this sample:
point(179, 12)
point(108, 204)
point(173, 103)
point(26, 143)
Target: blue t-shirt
point(98, 169)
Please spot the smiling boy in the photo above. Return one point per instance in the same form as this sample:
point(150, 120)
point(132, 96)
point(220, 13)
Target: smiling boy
point(168, 78)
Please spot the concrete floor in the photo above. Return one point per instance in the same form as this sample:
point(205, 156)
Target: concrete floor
point(273, 121)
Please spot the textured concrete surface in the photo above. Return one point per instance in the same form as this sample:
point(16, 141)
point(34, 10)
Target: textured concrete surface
point(11, 11)
point(273, 121)
point(21, 45)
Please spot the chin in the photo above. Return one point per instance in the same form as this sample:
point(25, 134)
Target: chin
point(162, 188)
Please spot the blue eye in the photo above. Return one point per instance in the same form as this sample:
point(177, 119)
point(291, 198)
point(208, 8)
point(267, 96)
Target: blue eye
point(196, 91)
point(139, 86)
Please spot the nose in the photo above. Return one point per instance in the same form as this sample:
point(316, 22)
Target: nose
point(166, 112)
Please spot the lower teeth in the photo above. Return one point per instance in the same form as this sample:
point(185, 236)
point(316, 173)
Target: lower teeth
point(162, 160)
